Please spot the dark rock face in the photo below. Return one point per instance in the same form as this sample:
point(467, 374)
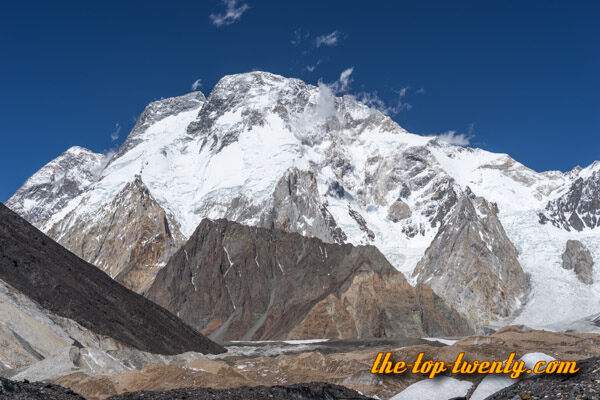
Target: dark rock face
point(307, 391)
point(35, 391)
point(472, 263)
point(578, 208)
point(69, 287)
point(578, 258)
point(581, 385)
point(236, 282)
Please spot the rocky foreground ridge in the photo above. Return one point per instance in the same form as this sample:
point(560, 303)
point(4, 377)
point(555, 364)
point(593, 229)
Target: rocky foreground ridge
point(42, 279)
point(583, 385)
point(235, 282)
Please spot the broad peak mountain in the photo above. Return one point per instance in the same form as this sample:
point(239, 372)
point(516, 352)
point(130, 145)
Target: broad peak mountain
point(352, 174)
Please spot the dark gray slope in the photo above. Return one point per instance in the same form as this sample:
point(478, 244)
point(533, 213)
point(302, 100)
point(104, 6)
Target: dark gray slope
point(66, 285)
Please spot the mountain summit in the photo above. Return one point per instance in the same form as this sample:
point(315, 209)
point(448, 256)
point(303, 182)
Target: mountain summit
point(268, 151)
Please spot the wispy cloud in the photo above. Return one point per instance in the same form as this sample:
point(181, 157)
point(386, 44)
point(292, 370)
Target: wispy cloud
point(343, 83)
point(197, 84)
point(233, 12)
point(114, 135)
point(458, 139)
point(420, 91)
point(373, 100)
point(329, 39)
point(299, 37)
point(452, 137)
point(325, 107)
point(311, 68)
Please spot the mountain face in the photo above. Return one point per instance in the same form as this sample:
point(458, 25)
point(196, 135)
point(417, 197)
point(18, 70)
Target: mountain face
point(579, 207)
point(236, 282)
point(473, 264)
point(134, 242)
point(52, 187)
point(274, 152)
point(56, 282)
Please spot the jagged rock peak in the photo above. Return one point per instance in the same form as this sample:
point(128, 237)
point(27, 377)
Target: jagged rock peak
point(235, 282)
point(472, 263)
point(578, 258)
point(56, 183)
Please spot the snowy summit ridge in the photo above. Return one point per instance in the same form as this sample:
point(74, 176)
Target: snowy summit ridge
point(265, 150)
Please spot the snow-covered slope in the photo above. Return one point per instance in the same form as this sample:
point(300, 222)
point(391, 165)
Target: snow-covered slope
point(276, 152)
point(59, 181)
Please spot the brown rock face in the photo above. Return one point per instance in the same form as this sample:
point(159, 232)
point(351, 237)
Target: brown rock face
point(237, 282)
point(399, 210)
point(472, 264)
point(578, 258)
point(133, 240)
point(69, 287)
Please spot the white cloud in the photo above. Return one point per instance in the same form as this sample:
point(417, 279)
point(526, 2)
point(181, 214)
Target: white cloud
point(329, 39)
point(197, 84)
point(115, 134)
point(325, 103)
point(343, 83)
point(345, 79)
point(452, 137)
point(420, 91)
point(232, 13)
point(373, 100)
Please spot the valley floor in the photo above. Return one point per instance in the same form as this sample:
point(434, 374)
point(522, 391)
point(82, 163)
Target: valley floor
point(340, 362)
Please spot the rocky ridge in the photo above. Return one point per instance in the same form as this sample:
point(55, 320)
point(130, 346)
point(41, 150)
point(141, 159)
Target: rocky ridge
point(235, 282)
point(578, 207)
point(68, 287)
point(473, 265)
point(137, 238)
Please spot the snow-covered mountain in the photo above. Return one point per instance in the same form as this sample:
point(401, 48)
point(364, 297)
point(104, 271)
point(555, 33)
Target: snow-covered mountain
point(56, 183)
point(270, 151)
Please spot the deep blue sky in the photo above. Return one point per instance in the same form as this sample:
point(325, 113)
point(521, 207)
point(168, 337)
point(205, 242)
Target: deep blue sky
point(523, 77)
